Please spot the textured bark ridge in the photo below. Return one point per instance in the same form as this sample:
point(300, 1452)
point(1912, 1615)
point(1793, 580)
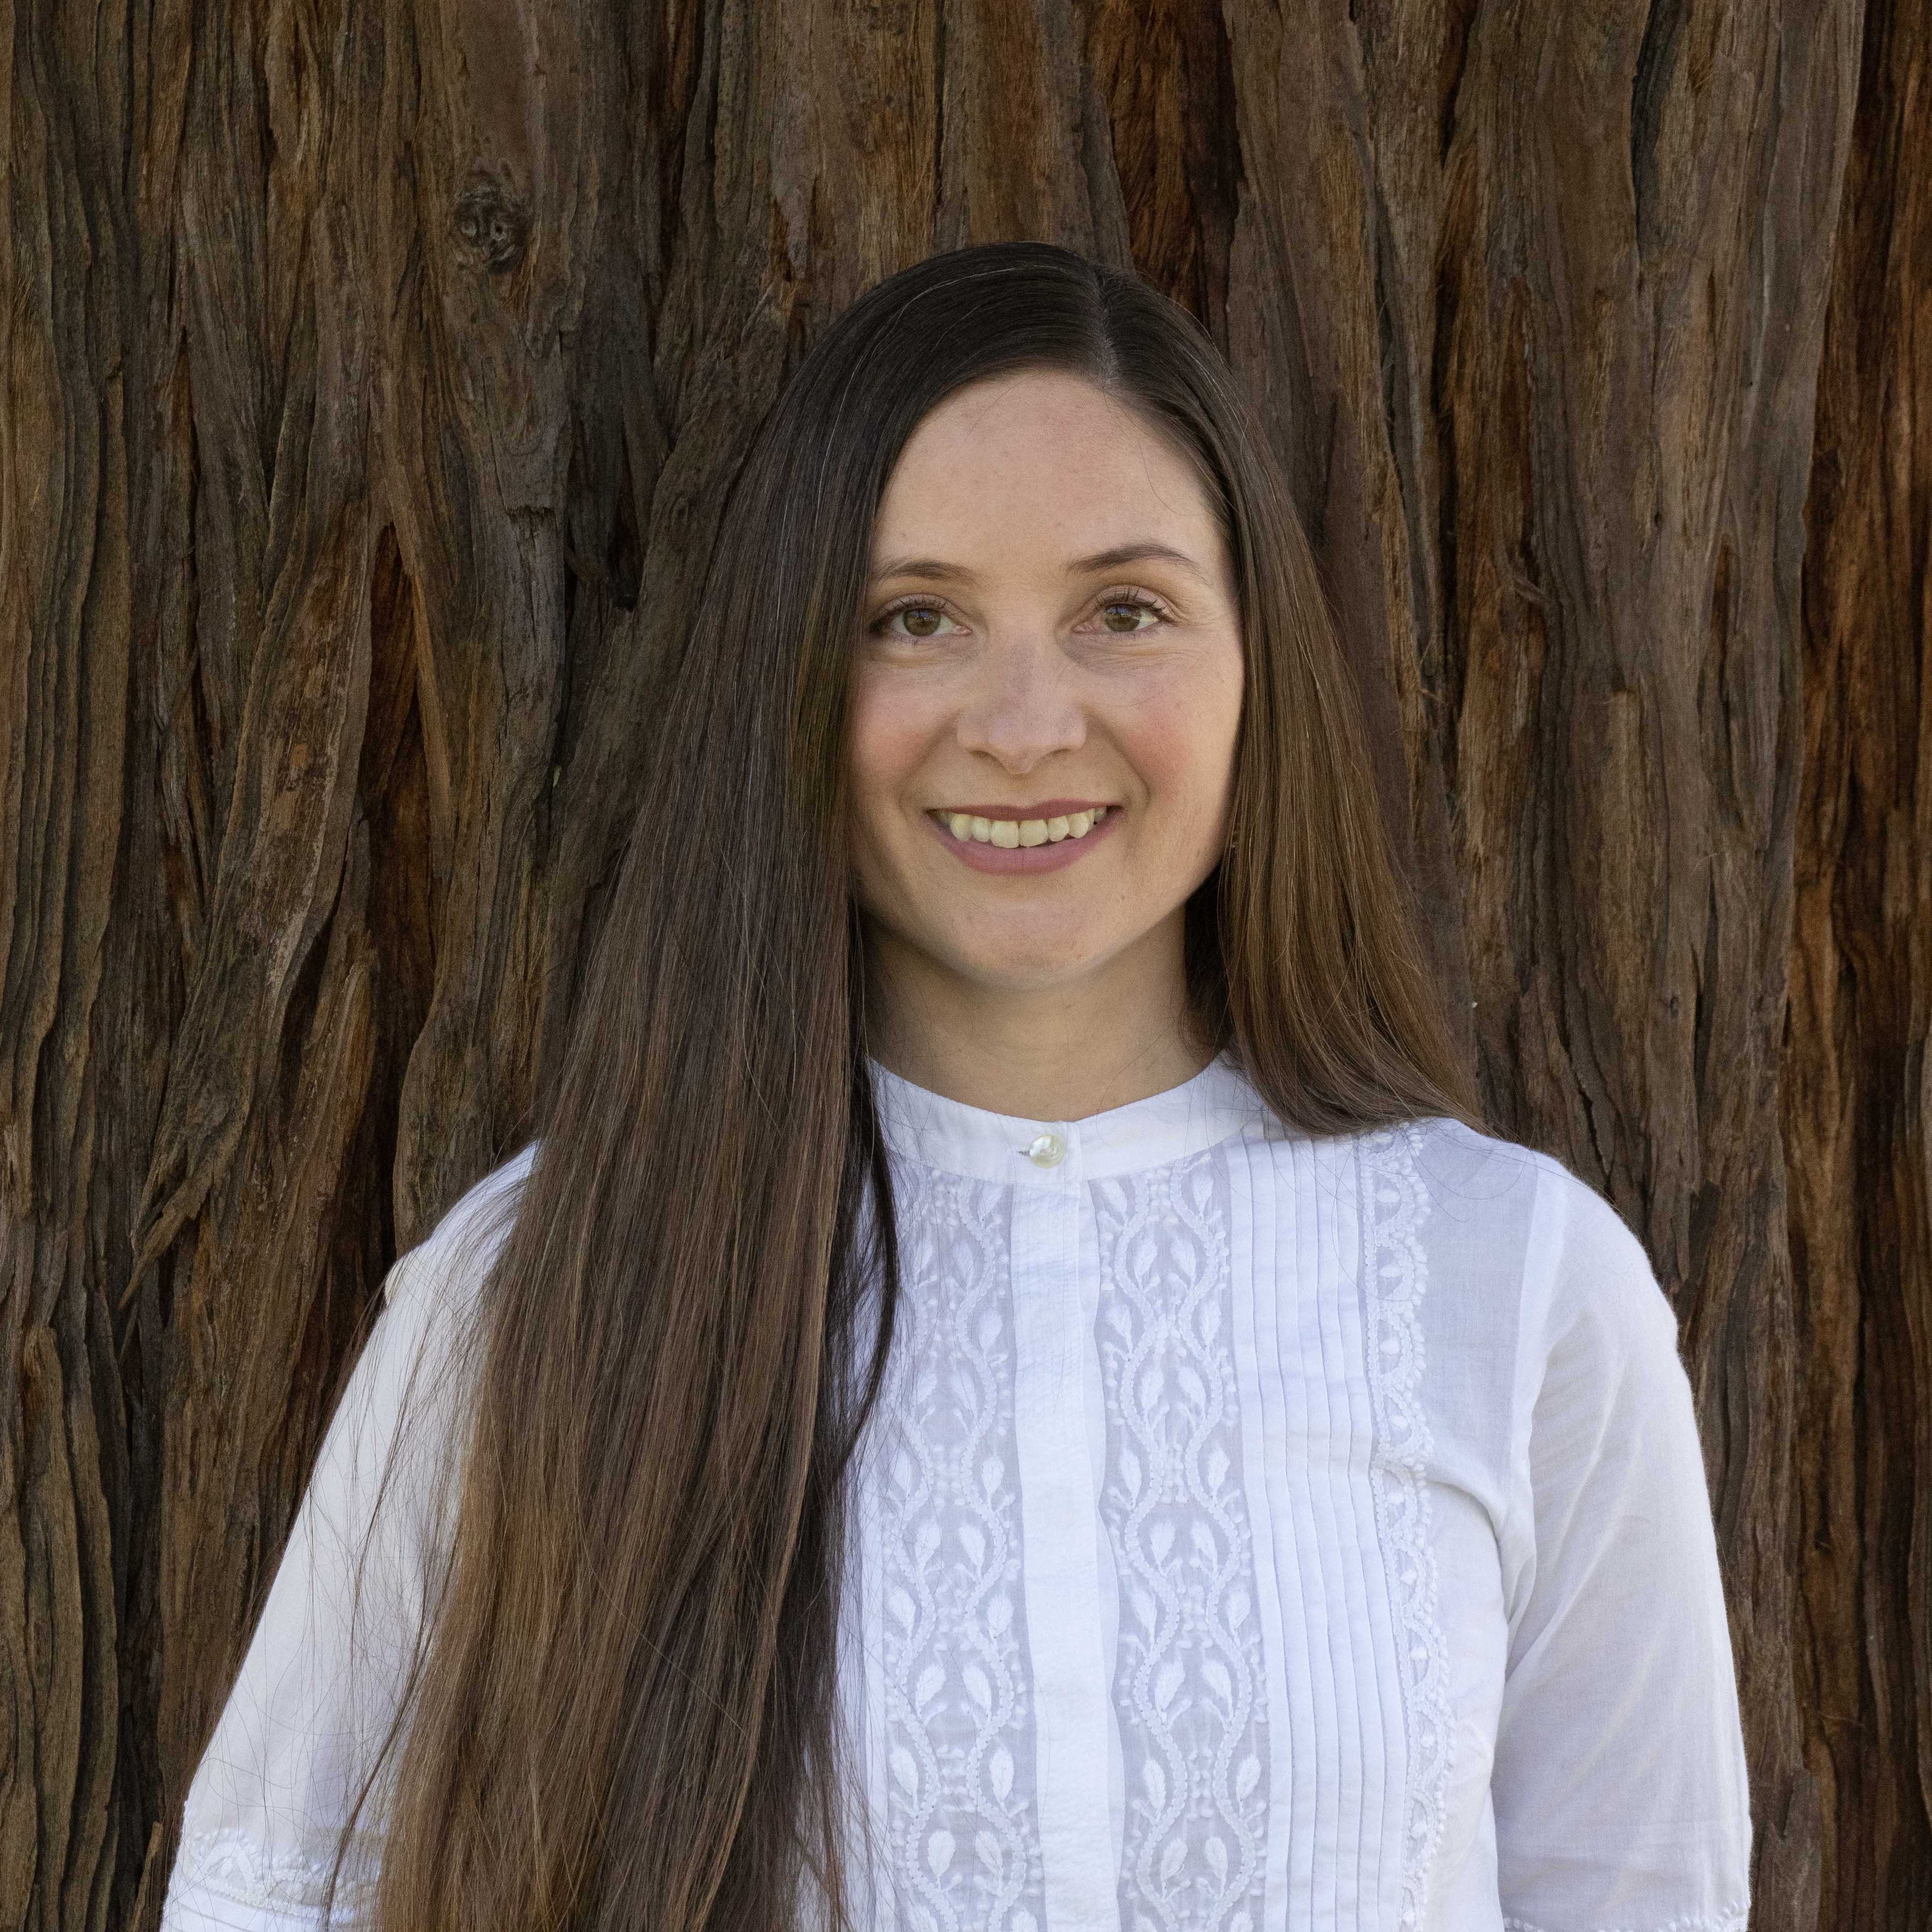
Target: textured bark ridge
point(374, 371)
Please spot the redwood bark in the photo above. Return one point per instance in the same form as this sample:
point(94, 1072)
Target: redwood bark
point(374, 371)
point(1856, 1089)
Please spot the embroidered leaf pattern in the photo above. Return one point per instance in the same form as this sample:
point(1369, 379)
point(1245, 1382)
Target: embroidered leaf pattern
point(1394, 1205)
point(1188, 1674)
point(962, 1835)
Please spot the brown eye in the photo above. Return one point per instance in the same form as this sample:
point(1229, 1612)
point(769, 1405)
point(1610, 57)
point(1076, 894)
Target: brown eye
point(1132, 613)
point(921, 621)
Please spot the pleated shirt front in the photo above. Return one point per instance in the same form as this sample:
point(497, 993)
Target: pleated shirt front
point(1256, 1531)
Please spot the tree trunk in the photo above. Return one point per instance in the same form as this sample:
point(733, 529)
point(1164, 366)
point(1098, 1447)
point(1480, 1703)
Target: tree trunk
point(374, 370)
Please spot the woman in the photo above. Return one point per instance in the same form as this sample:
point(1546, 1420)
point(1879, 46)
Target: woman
point(1017, 1393)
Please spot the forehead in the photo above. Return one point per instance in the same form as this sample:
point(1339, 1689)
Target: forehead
point(1045, 453)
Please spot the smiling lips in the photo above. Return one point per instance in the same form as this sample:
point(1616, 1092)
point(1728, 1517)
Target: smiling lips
point(1007, 833)
point(1044, 837)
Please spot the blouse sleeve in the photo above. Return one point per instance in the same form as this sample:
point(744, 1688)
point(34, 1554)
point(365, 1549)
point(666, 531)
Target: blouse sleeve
point(1619, 1783)
point(325, 1668)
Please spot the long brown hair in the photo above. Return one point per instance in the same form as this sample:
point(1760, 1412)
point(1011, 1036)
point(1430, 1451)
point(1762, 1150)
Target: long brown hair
point(623, 1713)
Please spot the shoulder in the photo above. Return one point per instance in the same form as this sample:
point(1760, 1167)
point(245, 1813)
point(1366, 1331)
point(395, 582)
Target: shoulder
point(1467, 1201)
point(1457, 1173)
point(1549, 1303)
point(417, 1357)
point(1587, 1292)
point(427, 1323)
point(1507, 1217)
point(1433, 1175)
point(1591, 1281)
point(442, 1271)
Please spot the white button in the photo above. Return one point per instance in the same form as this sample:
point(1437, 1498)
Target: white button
point(1047, 1150)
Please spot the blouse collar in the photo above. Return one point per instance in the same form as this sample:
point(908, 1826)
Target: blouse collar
point(938, 1132)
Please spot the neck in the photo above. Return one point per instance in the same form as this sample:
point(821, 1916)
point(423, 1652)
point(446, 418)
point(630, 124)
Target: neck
point(1062, 1052)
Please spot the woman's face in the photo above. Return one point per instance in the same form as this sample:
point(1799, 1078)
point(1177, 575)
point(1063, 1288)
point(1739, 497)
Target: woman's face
point(1046, 689)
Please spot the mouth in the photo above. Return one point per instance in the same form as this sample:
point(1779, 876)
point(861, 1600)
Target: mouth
point(1009, 830)
point(1040, 838)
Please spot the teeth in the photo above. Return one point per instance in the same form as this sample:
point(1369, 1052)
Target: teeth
point(1007, 833)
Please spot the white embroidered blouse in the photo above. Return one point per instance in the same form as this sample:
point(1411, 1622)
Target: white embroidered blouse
point(1258, 1532)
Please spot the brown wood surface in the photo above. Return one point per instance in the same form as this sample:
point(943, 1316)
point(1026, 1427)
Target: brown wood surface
point(373, 372)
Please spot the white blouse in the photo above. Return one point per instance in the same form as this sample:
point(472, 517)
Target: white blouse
point(1257, 1531)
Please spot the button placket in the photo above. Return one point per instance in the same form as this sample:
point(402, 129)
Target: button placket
point(1061, 1531)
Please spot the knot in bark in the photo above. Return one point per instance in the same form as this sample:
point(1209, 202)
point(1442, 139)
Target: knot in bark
point(493, 226)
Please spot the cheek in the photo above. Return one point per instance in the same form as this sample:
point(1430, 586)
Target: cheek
point(1181, 740)
point(887, 740)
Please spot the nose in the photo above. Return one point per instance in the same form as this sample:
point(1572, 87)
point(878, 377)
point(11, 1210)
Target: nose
point(1023, 707)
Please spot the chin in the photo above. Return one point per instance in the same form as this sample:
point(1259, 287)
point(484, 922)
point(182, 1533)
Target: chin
point(1025, 970)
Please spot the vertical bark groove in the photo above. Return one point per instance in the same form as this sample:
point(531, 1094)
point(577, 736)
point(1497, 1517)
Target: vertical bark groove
point(1855, 1113)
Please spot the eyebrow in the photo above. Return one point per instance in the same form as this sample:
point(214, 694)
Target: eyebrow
point(1139, 551)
